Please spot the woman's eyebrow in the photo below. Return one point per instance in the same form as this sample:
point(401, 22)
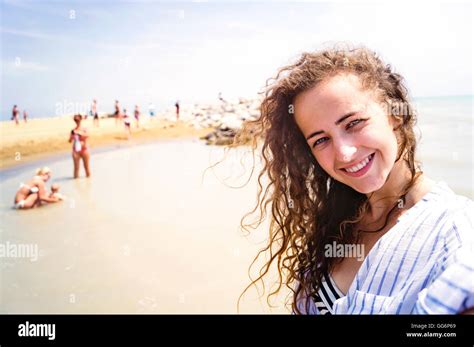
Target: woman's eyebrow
point(339, 121)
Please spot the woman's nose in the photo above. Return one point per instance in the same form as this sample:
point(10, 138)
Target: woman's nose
point(346, 153)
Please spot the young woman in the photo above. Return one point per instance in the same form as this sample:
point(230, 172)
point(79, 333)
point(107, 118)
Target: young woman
point(33, 192)
point(78, 138)
point(339, 155)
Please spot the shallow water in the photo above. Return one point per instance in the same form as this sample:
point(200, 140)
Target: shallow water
point(446, 145)
point(147, 233)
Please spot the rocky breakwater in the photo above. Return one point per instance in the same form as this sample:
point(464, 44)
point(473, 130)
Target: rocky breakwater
point(226, 117)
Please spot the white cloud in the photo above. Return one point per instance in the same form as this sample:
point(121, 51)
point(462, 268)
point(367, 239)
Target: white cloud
point(29, 34)
point(19, 65)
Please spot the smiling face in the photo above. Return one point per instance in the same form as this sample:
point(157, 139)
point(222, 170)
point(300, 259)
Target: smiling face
point(349, 132)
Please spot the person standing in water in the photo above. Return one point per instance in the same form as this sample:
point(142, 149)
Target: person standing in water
point(78, 138)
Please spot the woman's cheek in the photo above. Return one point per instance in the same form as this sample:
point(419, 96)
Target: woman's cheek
point(326, 161)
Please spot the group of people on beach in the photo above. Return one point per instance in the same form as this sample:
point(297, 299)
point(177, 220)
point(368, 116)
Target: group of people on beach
point(16, 115)
point(121, 115)
point(33, 193)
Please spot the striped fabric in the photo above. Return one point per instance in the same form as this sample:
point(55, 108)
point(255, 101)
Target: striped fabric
point(326, 296)
point(422, 265)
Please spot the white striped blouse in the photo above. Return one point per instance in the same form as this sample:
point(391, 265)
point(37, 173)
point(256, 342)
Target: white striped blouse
point(423, 265)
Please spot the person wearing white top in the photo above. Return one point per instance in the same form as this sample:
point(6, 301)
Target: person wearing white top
point(339, 152)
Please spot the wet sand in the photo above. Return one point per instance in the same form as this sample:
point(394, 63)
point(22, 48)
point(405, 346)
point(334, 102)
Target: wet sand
point(146, 234)
point(42, 138)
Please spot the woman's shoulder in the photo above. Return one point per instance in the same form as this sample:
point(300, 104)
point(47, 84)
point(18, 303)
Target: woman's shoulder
point(453, 271)
point(36, 180)
point(448, 202)
point(462, 219)
point(452, 214)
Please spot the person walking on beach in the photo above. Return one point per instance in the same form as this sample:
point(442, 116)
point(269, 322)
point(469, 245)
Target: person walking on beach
point(78, 138)
point(25, 116)
point(15, 114)
point(151, 110)
point(137, 115)
point(94, 113)
point(117, 113)
point(33, 192)
point(177, 110)
point(127, 122)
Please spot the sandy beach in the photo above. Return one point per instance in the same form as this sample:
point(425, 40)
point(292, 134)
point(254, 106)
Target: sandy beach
point(40, 138)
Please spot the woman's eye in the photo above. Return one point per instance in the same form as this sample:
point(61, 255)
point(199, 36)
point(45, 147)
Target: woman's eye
point(354, 122)
point(319, 141)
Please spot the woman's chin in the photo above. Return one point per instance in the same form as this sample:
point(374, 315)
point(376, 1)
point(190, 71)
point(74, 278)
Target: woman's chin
point(366, 187)
point(364, 190)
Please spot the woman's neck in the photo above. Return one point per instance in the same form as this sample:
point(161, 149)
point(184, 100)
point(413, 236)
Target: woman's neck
point(383, 200)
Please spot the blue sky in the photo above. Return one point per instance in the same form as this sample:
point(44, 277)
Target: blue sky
point(57, 52)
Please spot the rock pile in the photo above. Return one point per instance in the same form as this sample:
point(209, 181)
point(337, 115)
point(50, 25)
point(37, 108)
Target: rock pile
point(226, 117)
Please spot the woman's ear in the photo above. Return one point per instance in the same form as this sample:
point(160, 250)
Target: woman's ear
point(395, 122)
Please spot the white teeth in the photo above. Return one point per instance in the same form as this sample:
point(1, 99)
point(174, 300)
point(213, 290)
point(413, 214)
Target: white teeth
point(359, 166)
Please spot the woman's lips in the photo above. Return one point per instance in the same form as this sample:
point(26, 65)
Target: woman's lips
point(362, 171)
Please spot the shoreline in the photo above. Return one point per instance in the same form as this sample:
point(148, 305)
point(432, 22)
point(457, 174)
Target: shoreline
point(40, 139)
point(48, 159)
point(46, 139)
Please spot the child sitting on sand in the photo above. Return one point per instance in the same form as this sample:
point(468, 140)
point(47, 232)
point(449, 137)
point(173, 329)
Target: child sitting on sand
point(55, 192)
